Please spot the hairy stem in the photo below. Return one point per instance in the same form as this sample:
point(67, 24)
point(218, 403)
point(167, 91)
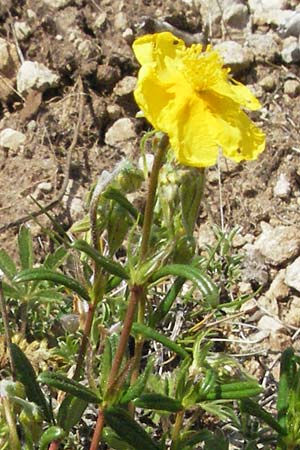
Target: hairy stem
point(176, 429)
point(148, 215)
point(7, 330)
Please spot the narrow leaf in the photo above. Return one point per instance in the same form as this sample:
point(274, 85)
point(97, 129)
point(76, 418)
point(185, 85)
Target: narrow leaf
point(150, 333)
point(25, 247)
point(73, 413)
point(166, 304)
point(53, 260)
point(254, 409)
point(26, 375)
point(41, 274)
point(128, 429)
point(65, 384)
point(287, 377)
point(114, 194)
point(158, 402)
point(110, 266)
point(204, 283)
point(233, 391)
point(138, 387)
point(7, 265)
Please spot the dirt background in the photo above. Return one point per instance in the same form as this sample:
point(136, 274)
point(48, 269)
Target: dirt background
point(89, 40)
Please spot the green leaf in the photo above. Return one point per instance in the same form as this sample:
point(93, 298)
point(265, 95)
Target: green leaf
point(158, 402)
point(110, 266)
point(54, 260)
point(204, 283)
point(138, 387)
point(114, 194)
point(41, 274)
point(65, 384)
point(288, 371)
point(128, 429)
point(193, 438)
point(46, 296)
point(51, 434)
point(72, 413)
point(166, 304)
point(26, 375)
point(150, 333)
point(7, 265)
point(113, 440)
point(11, 292)
point(25, 247)
point(233, 391)
point(254, 409)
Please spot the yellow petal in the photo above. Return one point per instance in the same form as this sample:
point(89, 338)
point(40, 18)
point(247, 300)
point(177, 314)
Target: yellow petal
point(153, 48)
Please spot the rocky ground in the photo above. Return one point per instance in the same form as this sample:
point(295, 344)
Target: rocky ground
point(67, 73)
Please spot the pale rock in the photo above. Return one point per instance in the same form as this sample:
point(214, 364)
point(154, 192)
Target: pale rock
point(33, 75)
point(125, 86)
point(278, 245)
point(269, 11)
point(282, 188)
point(56, 4)
point(290, 52)
point(206, 236)
point(121, 131)
point(269, 324)
point(87, 48)
point(23, 30)
point(254, 268)
point(291, 87)
point(114, 111)
point(8, 57)
point(292, 317)
point(120, 21)
point(100, 21)
point(45, 186)
point(236, 16)
point(128, 35)
point(292, 26)
point(234, 55)
point(280, 340)
point(264, 47)
point(292, 275)
point(268, 83)
point(256, 5)
point(11, 139)
point(279, 290)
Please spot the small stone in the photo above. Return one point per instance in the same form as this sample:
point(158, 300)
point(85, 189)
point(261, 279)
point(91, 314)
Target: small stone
point(234, 55)
point(236, 16)
point(121, 131)
point(125, 86)
point(114, 111)
point(264, 47)
point(268, 83)
point(120, 21)
point(33, 75)
point(292, 26)
point(278, 245)
point(292, 275)
point(100, 22)
point(107, 75)
point(57, 4)
point(292, 88)
point(128, 36)
point(290, 51)
point(11, 139)
point(279, 290)
point(254, 268)
point(23, 30)
point(282, 188)
point(292, 316)
point(269, 324)
point(45, 187)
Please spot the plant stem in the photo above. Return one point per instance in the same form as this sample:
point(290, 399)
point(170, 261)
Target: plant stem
point(7, 330)
point(13, 434)
point(148, 215)
point(135, 293)
point(98, 430)
point(176, 429)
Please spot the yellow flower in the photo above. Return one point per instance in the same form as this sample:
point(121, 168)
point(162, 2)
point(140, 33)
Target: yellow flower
point(188, 94)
